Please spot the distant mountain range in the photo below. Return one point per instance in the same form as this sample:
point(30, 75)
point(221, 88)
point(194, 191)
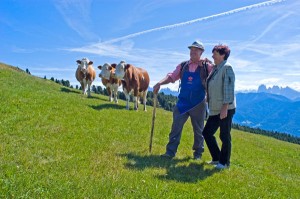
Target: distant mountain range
point(287, 91)
point(166, 91)
point(272, 109)
point(269, 112)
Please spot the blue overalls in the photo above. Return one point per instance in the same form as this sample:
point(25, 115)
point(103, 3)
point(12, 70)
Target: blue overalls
point(191, 103)
point(191, 92)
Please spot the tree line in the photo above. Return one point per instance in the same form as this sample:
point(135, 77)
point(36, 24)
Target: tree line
point(167, 102)
point(278, 135)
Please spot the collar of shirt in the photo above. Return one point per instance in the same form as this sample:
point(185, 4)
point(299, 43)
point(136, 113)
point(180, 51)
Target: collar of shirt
point(193, 65)
point(221, 64)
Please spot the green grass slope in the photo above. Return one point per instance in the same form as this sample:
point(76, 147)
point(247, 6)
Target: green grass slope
point(57, 143)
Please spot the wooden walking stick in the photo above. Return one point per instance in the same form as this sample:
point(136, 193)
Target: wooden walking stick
point(153, 120)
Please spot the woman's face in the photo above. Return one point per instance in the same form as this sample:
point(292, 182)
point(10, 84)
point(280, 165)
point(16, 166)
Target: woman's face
point(217, 57)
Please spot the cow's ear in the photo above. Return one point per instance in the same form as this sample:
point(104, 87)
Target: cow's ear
point(109, 68)
point(100, 67)
point(127, 66)
point(114, 65)
point(90, 63)
point(78, 62)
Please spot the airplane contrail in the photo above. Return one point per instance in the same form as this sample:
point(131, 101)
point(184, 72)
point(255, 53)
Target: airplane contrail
point(266, 3)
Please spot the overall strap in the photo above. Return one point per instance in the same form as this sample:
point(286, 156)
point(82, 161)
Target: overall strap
point(183, 67)
point(204, 73)
point(205, 68)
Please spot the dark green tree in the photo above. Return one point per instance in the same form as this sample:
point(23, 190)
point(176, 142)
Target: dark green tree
point(27, 71)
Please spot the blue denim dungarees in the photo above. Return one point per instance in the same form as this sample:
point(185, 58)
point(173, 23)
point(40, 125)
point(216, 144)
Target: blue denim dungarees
point(192, 91)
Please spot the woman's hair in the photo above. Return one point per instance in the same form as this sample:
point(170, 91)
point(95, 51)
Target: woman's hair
point(222, 50)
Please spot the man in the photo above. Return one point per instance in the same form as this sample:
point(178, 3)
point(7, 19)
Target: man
point(191, 100)
point(221, 103)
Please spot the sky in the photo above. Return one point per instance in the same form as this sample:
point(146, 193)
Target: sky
point(48, 36)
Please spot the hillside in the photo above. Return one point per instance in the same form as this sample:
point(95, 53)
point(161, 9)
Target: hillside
point(57, 143)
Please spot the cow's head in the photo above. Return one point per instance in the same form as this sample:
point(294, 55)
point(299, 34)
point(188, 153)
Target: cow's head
point(83, 64)
point(120, 70)
point(106, 70)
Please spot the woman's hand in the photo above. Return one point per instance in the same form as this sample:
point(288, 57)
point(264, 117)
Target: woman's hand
point(224, 110)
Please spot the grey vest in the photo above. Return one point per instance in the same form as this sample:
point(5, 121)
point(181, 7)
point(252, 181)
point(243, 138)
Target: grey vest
point(215, 88)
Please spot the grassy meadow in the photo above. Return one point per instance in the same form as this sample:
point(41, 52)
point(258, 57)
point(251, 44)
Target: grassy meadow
point(57, 143)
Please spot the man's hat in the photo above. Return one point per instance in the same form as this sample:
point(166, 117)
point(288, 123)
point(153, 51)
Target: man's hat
point(197, 44)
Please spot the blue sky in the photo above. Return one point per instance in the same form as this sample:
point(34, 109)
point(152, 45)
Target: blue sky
point(48, 36)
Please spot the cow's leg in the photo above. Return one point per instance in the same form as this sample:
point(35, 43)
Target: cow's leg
point(135, 102)
point(82, 87)
point(89, 88)
point(84, 84)
point(135, 99)
point(127, 101)
point(127, 94)
point(115, 87)
point(145, 99)
point(116, 96)
point(109, 93)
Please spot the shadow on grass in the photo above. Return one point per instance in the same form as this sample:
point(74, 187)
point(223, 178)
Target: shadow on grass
point(67, 90)
point(190, 172)
point(94, 97)
point(107, 106)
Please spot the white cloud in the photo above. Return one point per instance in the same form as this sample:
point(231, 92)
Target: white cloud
point(51, 69)
point(76, 14)
point(270, 26)
point(16, 49)
point(268, 81)
point(266, 3)
point(240, 64)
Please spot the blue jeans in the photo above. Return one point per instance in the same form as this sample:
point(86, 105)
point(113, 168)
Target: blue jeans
point(197, 115)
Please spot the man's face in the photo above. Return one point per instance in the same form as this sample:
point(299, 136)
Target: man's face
point(195, 53)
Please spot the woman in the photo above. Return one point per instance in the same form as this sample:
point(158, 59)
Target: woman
point(221, 103)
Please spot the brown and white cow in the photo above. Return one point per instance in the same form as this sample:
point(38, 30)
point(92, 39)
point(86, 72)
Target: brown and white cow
point(109, 81)
point(85, 74)
point(135, 80)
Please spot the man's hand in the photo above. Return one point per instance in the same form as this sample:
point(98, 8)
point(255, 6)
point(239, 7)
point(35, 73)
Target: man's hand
point(156, 88)
point(207, 60)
